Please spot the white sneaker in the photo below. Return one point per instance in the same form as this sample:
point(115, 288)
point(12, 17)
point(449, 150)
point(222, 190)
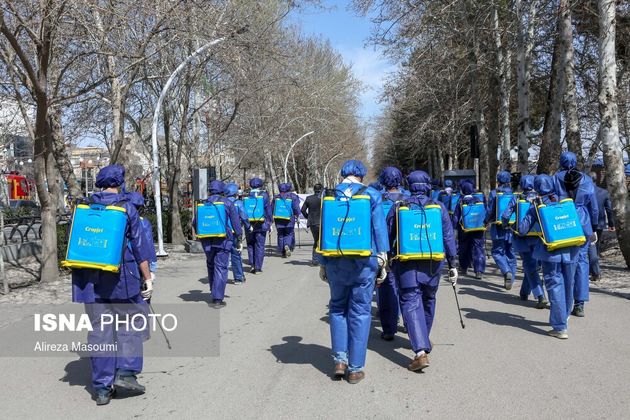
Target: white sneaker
point(562, 335)
point(287, 251)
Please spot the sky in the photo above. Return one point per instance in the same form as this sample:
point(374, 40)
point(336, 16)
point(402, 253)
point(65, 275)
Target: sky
point(348, 34)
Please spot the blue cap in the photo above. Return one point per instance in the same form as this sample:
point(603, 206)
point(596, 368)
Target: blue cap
point(543, 184)
point(231, 189)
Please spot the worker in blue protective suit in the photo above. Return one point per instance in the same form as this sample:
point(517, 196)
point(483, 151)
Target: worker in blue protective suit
point(472, 245)
point(351, 281)
point(147, 230)
point(444, 196)
point(218, 250)
point(286, 228)
point(257, 235)
point(436, 187)
point(418, 280)
point(501, 235)
point(231, 192)
point(116, 294)
point(569, 182)
point(558, 266)
point(386, 294)
point(525, 245)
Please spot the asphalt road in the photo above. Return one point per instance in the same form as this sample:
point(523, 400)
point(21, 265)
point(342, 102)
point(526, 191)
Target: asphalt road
point(275, 360)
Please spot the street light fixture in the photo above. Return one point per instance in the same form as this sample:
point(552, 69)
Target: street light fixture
point(154, 143)
point(286, 159)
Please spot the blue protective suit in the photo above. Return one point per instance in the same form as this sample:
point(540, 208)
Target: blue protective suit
point(236, 259)
point(351, 281)
point(286, 228)
point(418, 281)
point(387, 292)
point(218, 250)
point(256, 239)
point(101, 291)
point(501, 235)
point(558, 266)
point(525, 245)
point(472, 245)
point(588, 213)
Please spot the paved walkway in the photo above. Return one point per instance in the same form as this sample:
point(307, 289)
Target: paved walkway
point(275, 361)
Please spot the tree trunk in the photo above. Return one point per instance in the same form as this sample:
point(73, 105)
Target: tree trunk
point(503, 68)
point(550, 147)
point(177, 232)
point(47, 191)
point(524, 45)
point(572, 136)
point(609, 128)
point(478, 117)
point(63, 161)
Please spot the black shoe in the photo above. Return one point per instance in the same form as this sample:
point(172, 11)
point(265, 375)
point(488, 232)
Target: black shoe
point(542, 303)
point(478, 275)
point(595, 277)
point(387, 337)
point(578, 310)
point(128, 383)
point(253, 271)
point(103, 396)
point(464, 272)
point(218, 304)
point(524, 297)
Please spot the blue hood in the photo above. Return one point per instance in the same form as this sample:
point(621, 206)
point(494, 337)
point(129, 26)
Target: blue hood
point(353, 167)
point(543, 184)
point(568, 160)
point(231, 189)
point(216, 187)
point(419, 182)
point(111, 176)
point(527, 183)
point(256, 183)
point(504, 177)
point(467, 187)
point(391, 177)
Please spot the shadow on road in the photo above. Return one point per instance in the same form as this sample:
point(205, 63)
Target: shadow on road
point(506, 319)
point(196, 296)
point(610, 293)
point(298, 262)
point(292, 351)
point(78, 373)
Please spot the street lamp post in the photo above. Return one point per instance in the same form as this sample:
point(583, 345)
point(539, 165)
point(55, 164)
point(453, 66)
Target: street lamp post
point(328, 164)
point(154, 143)
point(286, 159)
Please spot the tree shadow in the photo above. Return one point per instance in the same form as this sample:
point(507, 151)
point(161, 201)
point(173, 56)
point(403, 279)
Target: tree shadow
point(597, 289)
point(506, 319)
point(203, 280)
point(613, 267)
point(503, 297)
point(292, 351)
